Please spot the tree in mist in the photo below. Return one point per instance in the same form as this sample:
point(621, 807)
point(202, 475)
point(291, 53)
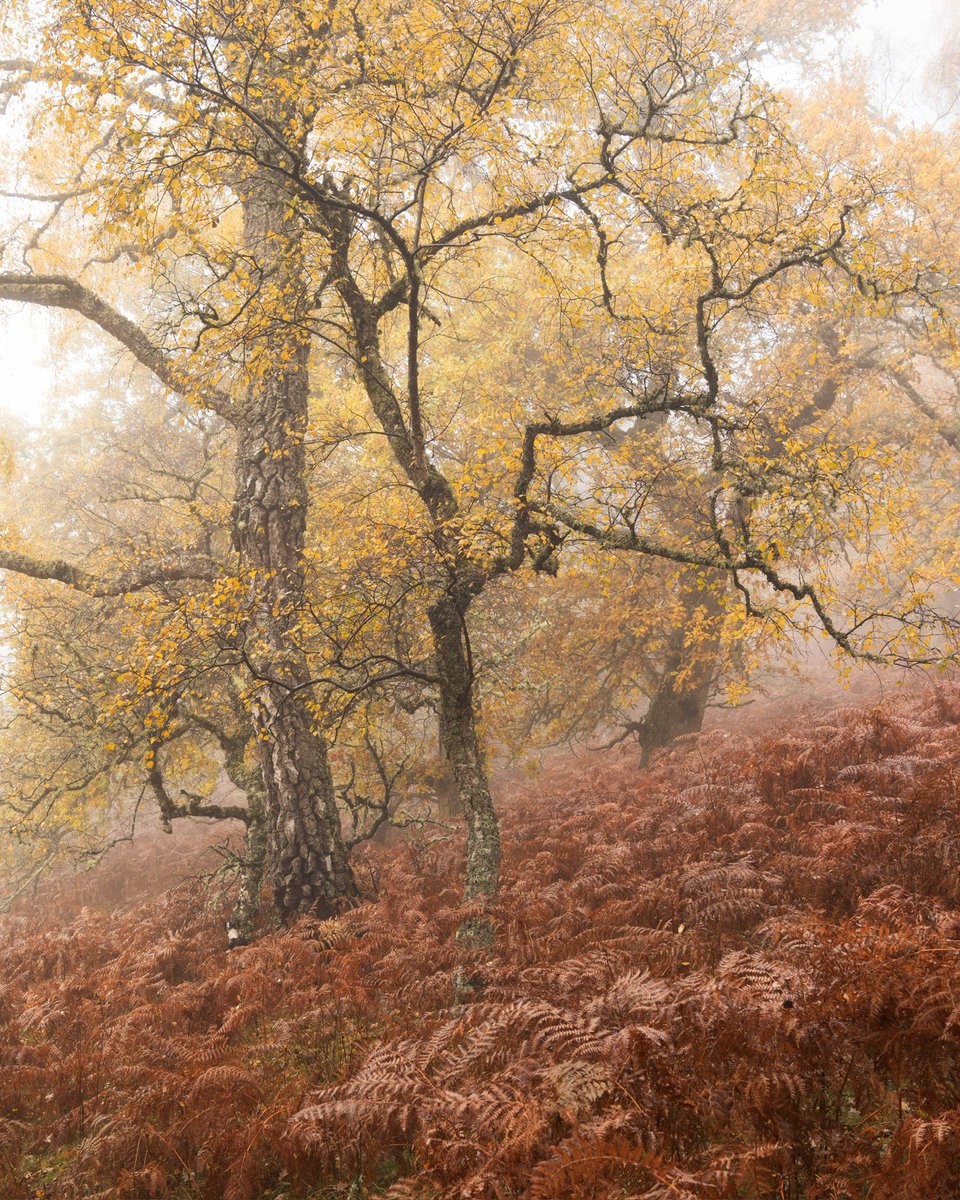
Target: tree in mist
point(543, 274)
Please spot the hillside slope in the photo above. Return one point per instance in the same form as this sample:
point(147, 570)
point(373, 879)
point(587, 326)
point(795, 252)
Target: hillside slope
point(734, 975)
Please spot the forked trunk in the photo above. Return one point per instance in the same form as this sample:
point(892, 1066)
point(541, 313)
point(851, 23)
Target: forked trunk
point(461, 744)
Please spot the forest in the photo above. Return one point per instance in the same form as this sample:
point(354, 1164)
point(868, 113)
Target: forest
point(479, 600)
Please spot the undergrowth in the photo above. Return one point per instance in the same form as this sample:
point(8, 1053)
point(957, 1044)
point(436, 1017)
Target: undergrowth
point(736, 974)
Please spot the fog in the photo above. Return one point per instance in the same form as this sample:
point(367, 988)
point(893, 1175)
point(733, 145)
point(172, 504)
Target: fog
point(480, 611)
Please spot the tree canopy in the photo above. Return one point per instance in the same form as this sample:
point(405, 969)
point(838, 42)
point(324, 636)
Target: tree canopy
point(485, 375)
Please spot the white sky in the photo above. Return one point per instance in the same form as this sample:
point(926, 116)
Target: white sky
point(26, 375)
point(899, 35)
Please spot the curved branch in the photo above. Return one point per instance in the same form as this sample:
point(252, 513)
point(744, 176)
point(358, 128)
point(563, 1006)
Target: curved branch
point(59, 571)
point(916, 398)
point(60, 291)
point(734, 566)
point(171, 811)
point(552, 426)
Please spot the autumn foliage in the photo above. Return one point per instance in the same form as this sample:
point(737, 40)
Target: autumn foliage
point(732, 975)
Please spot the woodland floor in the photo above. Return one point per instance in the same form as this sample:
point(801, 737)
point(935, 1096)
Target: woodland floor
point(734, 975)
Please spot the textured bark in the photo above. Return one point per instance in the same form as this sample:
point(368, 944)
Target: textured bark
point(307, 860)
point(249, 780)
point(461, 744)
point(162, 571)
point(243, 918)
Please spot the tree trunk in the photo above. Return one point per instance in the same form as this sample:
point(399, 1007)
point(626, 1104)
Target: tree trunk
point(247, 779)
point(461, 744)
point(243, 918)
point(679, 702)
point(404, 434)
point(307, 860)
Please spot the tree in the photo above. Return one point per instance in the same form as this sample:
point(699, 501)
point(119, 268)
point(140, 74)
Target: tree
point(329, 198)
point(262, 395)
